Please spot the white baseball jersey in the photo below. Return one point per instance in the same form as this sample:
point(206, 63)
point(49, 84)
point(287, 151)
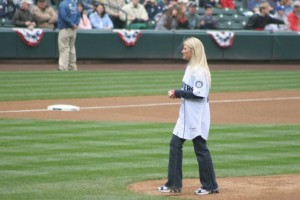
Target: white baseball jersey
point(194, 114)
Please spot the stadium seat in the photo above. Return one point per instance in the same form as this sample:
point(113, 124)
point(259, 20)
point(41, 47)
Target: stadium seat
point(223, 18)
point(238, 18)
point(223, 26)
point(239, 4)
point(234, 26)
point(217, 11)
point(6, 23)
point(229, 12)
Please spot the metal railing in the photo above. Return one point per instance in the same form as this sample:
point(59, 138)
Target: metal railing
point(119, 9)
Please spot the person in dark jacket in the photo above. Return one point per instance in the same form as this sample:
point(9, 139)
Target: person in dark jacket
point(68, 21)
point(7, 9)
point(259, 20)
point(23, 17)
point(208, 21)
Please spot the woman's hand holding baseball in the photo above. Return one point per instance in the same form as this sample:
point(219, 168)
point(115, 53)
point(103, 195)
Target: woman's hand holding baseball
point(171, 94)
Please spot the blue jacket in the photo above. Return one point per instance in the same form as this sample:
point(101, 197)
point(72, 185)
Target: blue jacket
point(68, 14)
point(100, 23)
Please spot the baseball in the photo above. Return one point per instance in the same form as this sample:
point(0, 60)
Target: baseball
point(170, 93)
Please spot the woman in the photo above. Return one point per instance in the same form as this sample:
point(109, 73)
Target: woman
point(99, 19)
point(174, 18)
point(84, 20)
point(193, 122)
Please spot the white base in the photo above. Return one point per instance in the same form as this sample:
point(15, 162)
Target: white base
point(63, 108)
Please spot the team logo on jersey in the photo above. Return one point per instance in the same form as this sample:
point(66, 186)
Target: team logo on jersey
point(199, 84)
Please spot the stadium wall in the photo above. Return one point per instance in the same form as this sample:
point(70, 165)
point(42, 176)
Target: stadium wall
point(95, 44)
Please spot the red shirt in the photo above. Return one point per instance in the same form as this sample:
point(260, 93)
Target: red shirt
point(294, 22)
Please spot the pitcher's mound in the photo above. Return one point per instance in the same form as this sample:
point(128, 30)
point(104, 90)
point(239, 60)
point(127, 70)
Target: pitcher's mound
point(281, 187)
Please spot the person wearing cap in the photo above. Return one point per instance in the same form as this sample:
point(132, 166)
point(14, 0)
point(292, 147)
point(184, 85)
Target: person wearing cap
point(7, 10)
point(293, 17)
point(136, 14)
point(23, 17)
point(68, 21)
point(163, 5)
point(208, 21)
point(151, 8)
point(259, 20)
point(279, 14)
point(45, 15)
point(193, 17)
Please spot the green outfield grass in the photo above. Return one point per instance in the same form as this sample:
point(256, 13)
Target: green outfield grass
point(93, 160)
point(89, 160)
point(85, 84)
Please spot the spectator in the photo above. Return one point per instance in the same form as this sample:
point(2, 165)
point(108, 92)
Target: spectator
point(293, 17)
point(84, 22)
point(173, 18)
point(151, 8)
point(288, 6)
point(228, 4)
point(183, 22)
point(113, 13)
point(99, 19)
point(259, 20)
point(193, 17)
point(45, 15)
point(88, 6)
point(254, 5)
point(183, 5)
point(136, 13)
point(23, 17)
point(280, 14)
point(163, 5)
point(208, 21)
point(68, 21)
point(7, 10)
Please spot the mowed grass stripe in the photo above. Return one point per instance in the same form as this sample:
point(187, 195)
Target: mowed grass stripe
point(77, 160)
point(88, 84)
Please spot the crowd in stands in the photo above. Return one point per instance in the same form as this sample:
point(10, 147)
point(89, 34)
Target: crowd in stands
point(272, 15)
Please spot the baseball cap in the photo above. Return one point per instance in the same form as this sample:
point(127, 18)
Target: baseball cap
point(26, 1)
point(281, 7)
point(297, 3)
point(183, 1)
point(208, 6)
point(192, 4)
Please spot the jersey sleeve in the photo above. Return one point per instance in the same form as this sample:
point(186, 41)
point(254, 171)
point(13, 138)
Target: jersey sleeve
point(200, 86)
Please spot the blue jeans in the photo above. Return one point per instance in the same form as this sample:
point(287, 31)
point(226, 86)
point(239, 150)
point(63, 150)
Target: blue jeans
point(205, 164)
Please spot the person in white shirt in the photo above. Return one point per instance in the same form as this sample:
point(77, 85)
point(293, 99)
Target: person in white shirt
point(136, 12)
point(193, 122)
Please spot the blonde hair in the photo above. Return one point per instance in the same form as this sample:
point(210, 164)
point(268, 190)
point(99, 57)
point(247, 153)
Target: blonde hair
point(198, 56)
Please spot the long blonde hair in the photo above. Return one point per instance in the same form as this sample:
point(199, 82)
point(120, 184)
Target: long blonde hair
point(198, 56)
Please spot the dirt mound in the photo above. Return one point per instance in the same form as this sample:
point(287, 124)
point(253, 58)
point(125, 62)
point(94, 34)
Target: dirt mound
point(279, 187)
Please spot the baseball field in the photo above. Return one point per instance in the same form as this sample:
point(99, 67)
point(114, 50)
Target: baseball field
point(116, 146)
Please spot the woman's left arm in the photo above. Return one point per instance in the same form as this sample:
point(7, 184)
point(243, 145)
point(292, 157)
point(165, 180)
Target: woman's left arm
point(182, 94)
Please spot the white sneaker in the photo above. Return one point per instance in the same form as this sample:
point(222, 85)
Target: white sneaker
point(166, 189)
point(201, 191)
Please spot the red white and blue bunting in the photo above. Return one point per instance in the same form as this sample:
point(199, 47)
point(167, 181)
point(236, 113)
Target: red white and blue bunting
point(223, 38)
point(129, 37)
point(29, 37)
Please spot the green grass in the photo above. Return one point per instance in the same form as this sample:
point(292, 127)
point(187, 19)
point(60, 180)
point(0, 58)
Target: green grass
point(89, 160)
point(87, 84)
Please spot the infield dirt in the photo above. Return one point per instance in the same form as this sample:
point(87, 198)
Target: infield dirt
point(267, 107)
